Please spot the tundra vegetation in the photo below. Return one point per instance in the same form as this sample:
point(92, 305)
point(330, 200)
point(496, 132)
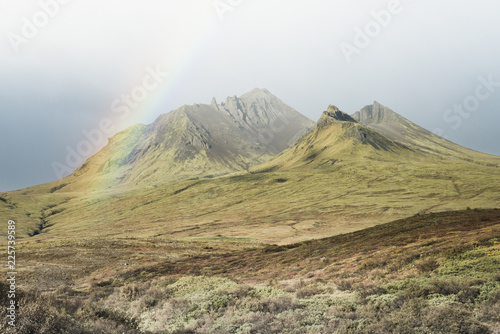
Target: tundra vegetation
point(431, 273)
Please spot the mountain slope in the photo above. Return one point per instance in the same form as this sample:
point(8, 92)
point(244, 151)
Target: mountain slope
point(197, 141)
point(395, 127)
point(336, 138)
point(339, 177)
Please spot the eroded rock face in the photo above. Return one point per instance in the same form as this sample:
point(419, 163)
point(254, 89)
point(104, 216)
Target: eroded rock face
point(359, 134)
point(266, 118)
point(334, 115)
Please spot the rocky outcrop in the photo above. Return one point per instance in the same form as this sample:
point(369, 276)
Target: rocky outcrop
point(214, 104)
point(334, 115)
point(268, 119)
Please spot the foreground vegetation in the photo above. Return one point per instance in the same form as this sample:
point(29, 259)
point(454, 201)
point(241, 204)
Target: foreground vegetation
point(432, 273)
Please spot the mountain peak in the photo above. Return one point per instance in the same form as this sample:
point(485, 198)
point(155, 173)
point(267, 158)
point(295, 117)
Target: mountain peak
point(258, 92)
point(214, 104)
point(334, 114)
point(376, 114)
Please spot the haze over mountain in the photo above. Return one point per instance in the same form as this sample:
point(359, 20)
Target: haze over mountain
point(198, 140)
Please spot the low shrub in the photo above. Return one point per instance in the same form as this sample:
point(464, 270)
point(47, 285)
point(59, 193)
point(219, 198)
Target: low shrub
point(453, 319)
point(427, 265)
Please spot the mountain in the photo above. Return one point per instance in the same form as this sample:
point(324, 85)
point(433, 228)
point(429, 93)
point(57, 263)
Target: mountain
point(197, 141)
point(338, 137)
point(339, 177)
point(373, 133)
point(395, 127)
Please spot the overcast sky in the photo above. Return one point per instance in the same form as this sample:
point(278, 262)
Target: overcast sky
point(67, 66)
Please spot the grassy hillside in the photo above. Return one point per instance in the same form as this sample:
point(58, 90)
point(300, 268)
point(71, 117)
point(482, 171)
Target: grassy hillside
point(340, 177)
point(276, 207)
point(273, 206)
point(432, 273)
